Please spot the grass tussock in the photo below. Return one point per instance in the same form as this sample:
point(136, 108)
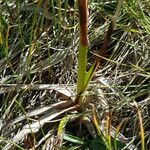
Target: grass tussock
point(52, 97)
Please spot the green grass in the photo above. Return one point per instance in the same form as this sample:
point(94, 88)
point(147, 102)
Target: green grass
point(43, 60)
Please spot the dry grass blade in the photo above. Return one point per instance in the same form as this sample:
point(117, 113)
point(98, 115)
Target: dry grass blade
point(49, 141)
point(88, 123)
point(101, 128)
point(66, 90)
point(35, 127)
point(39, 112)
point(141, 127)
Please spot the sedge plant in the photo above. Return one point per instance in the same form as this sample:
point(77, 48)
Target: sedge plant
point(84, 76)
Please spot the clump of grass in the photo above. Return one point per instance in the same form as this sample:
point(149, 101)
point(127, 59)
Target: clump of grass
point(38, 42)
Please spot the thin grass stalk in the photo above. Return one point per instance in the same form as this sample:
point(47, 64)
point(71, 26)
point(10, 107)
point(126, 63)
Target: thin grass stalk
point(108, 135)
point(13, 143)
point(95, 121)
point(24, 112)
point(141, 127)
point(4, 51)
point(117, 133)
point(19, 23)
point(53, 18)
point(59, 12)
point(83, 47)
point(32, 39)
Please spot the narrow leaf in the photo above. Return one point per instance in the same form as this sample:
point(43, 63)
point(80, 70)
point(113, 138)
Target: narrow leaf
point(73, 139)
point(141, 127)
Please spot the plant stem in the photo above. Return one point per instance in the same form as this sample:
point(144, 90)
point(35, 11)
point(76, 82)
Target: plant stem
point(83, 46)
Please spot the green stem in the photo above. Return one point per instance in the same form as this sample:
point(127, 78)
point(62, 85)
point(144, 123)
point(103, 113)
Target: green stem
point(82, 56)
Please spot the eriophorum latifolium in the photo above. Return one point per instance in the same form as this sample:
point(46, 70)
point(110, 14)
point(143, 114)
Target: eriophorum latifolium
point(43, 56)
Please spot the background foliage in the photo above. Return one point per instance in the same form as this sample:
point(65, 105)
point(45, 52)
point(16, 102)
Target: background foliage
point(39, 46)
